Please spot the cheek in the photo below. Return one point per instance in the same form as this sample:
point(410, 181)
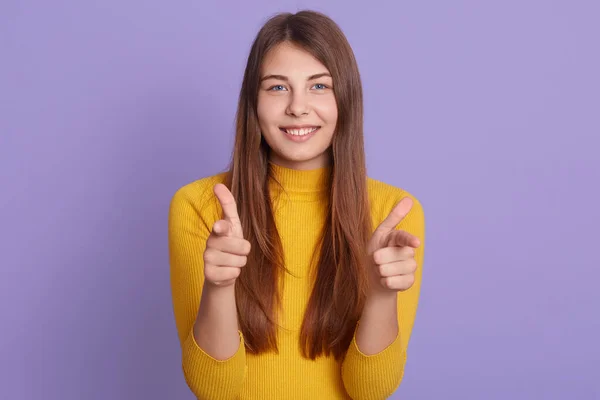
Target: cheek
point(267, 112)
point(262, 109)
point(268, 107)
point(327, 110)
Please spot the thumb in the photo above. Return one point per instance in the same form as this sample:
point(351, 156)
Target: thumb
point(400, 210)
point(229, 207)
point(223, 228)
point(398, 238)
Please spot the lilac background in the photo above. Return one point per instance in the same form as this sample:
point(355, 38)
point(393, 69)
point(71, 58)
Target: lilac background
point(488, 112)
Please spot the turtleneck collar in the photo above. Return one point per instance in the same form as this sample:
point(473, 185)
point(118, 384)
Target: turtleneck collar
point(300, 185)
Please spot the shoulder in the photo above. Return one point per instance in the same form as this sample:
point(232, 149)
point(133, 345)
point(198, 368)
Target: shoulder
point(197, 199)
point(383, 197)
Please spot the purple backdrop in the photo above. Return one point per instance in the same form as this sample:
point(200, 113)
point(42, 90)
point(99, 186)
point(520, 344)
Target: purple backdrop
point(488, 113)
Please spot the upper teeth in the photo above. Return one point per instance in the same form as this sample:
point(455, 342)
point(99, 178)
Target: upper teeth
point(301, 132)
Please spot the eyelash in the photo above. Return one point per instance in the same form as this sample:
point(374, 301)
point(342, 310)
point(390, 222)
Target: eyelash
point(274, 86)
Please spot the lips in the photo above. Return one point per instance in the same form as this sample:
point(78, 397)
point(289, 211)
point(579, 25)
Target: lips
point(301, 130)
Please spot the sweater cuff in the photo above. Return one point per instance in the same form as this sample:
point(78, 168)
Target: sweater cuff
point(375, 376)
point(209, 378)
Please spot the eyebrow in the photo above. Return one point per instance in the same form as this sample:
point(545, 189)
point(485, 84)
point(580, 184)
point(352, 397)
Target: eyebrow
point(285, 78)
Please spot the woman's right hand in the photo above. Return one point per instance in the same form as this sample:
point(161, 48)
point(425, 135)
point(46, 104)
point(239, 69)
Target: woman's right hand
point(226, 249)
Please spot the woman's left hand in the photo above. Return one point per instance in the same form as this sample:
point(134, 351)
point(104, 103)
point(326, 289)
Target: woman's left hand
point(392, 253)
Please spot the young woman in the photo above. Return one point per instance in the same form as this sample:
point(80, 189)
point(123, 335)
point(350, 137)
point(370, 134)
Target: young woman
point(293, 274)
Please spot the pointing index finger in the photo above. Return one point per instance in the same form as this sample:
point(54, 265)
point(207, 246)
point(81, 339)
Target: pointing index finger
point(230, 212)
point(400, 210)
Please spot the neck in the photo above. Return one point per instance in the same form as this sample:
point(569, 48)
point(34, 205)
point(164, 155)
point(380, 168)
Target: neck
point(300, 184)
point(321, 161)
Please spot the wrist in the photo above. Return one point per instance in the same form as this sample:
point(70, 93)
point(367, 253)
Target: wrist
point(382, 295)
point(210, 287)
point(381, 304)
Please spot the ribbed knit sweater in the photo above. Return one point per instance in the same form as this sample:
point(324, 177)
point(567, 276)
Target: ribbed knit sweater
point(299, 214)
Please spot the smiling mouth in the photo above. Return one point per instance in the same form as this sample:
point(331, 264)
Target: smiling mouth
point(299, 131)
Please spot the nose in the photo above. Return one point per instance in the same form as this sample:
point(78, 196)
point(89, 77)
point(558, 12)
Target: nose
point(298, 105)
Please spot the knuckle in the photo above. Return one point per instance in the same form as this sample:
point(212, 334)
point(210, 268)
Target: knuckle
point(236, 261)
point(211, 242)
point(209, 275)
point(387, 283)
point(377, 257)
point(232, 273)
point(208, 256)
point(242, 247)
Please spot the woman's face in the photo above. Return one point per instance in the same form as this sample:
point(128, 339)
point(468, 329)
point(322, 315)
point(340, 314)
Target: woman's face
point(297, 111)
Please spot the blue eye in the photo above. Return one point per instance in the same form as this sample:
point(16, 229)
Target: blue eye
point(320, 86)
point(277, 88)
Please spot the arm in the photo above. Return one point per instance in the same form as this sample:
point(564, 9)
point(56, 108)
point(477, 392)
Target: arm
point(374, 364)
point(220, 375)
point(216, 326)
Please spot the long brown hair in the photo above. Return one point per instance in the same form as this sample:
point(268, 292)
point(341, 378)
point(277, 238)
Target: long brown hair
point(340, 279)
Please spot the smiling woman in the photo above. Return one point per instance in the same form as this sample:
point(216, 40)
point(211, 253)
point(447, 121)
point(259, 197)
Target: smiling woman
point(296, 98)
point(293, 274)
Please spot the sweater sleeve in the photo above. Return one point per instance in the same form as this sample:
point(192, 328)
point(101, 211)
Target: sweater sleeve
point(378, 376)
point(207, 377)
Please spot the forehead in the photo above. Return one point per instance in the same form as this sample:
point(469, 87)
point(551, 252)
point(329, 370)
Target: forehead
point(289, 59)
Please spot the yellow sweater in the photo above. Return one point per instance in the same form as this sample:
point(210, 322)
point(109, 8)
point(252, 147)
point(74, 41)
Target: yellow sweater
point(286, 375)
